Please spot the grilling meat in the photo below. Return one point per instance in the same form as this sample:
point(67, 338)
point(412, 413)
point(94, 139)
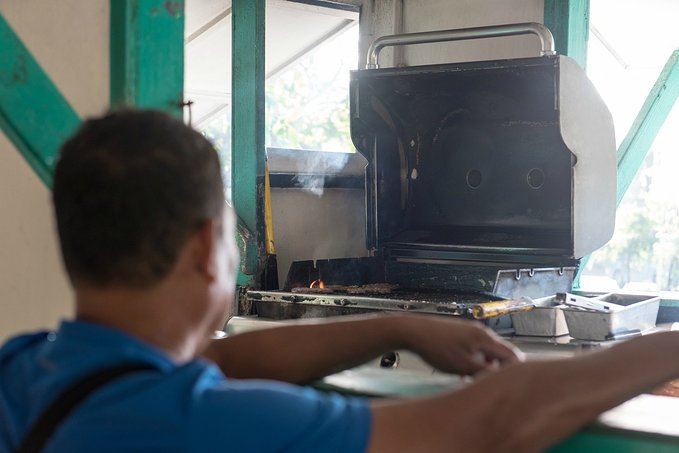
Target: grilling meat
point(373, 288)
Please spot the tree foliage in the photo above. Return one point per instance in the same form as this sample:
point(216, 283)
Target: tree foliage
point(307, 107)
point(645, 246)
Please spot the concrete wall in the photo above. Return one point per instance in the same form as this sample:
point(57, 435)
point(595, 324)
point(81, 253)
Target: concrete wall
point(385, 17)
point(423, 15)
point(69, 38)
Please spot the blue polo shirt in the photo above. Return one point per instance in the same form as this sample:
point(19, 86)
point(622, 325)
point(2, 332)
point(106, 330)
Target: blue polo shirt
point(190, 407)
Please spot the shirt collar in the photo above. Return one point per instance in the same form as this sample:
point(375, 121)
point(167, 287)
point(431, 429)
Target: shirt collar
point(115, 343)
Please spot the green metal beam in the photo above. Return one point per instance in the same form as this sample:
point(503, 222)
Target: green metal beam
point(649, 121)
point(147, 54)
point(616, 442)
point(568, 20)
point(248, 152)
point(33, 113)
point(634, 148)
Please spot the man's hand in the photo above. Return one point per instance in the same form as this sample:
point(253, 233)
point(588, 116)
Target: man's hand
point(302, 352)
point(528, 407)
point(457, 346)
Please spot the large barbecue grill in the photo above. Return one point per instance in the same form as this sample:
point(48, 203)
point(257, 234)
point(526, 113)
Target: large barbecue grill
point(485, 180)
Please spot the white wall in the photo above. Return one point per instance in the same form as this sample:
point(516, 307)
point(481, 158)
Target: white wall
point(423, 15)
point(409, 16)
point(69, 38)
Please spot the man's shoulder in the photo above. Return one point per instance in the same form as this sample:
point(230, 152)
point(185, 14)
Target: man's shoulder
point(295, 418)
point(21, 342)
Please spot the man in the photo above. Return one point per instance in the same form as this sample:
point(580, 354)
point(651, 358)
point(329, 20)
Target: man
point(148, 246)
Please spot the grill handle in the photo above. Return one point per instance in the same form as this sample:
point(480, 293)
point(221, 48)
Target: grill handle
point(460, 34)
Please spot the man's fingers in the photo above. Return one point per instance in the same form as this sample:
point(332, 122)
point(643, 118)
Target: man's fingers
point(497, 349)
point(483, 359)
point(470, 364)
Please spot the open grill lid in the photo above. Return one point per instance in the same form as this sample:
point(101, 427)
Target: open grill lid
point(509, 161)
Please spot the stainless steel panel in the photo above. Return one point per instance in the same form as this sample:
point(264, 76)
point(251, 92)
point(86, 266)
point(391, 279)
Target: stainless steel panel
point(545, 320)
point(638, 315)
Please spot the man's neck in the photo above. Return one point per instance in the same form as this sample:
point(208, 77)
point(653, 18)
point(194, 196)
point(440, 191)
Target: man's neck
point(148, 314)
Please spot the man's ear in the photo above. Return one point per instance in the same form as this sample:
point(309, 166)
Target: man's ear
point(205, 249)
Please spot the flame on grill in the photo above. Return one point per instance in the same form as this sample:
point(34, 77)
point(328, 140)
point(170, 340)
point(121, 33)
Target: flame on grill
point(317, 284)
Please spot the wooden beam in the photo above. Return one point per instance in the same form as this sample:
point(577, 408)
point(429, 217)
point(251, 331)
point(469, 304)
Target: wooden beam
point(650, 119)
point(639, 139)
point(33, 113)
point(618, 441)
point(568, 20)
point(147, 54)
point(248, 151)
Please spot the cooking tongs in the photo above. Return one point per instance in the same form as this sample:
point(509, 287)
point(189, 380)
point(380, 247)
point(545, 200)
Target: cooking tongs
point(588, 303)
point(460, 34)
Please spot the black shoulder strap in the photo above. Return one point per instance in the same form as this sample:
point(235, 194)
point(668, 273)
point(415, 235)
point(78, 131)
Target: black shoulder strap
point(62, 406)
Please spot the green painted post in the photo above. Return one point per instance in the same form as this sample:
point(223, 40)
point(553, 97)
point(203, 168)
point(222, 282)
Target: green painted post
point(568, 20)
point(33, 113)
point(649, 120)
point(147, 54)
point(248, 152)
point(634, 148)
point(592, 440)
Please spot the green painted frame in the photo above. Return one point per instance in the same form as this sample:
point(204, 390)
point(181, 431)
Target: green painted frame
point(613, 441)
point(147, 54)
point(248, 154)
point(147, 70)
point(650, 119)
point(34, 115)
point(568, 20)
point(639, 139)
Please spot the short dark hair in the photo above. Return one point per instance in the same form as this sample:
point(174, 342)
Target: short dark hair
point(129, 189)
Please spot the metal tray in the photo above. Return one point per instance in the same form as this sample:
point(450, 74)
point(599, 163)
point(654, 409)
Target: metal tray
point(638, 314)
point(545, 320)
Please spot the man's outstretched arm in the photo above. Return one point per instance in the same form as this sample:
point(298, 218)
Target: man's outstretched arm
point(303, 352)
point(527, 407)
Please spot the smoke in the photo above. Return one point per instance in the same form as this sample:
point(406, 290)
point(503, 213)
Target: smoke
point(314, 184)
point(315, 167)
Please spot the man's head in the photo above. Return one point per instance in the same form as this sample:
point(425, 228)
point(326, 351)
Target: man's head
point(129, 190)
